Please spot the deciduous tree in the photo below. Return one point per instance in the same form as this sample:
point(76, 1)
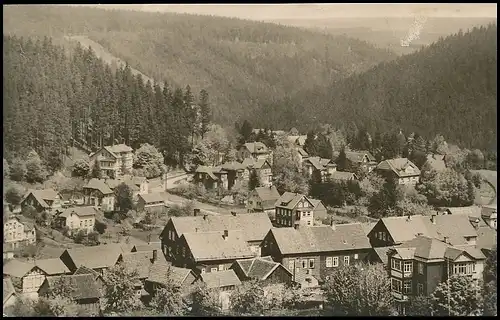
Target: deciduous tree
point(124, 197)
point(119, 290)
point(248, 300)
point(167, 299)
point(14, 195)
point(35, 170)
point(457, 296)
point(254, 180)
point(205, 302)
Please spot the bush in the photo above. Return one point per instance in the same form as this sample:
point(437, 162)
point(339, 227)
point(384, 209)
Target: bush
point(100, 226)
point(14, 195)
point(92, 239)
point(81, 168)
point(79, 237)
point(185, 210)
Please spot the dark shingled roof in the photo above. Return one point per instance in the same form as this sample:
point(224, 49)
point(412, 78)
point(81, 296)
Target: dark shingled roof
point(402, 167)
point(85, 270)
point(42, 195)
point(220, 279)
point(487, 238)
point(84, 285)
point(321, 238)
point(206, 246)
point(259, 221)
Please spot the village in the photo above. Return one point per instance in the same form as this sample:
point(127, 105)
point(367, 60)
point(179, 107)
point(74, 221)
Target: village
point(197, 227)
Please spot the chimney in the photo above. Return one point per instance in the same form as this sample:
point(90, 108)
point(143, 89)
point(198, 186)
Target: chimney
point(196, 211)
point(445, 239)
point(433, 219)
point(233, 213)
point(226, 234)
point(155, 256)
point(204, 217)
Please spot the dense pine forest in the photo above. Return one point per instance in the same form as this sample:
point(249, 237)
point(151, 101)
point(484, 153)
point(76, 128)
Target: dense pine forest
point(54, 99)
point(448, 88)
point(242, 64)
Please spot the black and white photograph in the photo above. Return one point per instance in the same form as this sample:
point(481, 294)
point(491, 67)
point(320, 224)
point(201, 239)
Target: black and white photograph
point(215, 160)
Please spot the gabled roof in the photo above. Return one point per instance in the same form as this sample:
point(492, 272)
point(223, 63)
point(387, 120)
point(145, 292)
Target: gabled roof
point(42, 195)
point(256, 147)
point(84, 285)
point(117, 148)
point(152, 197)
point(471, 211)
point(79, 211)
point(210, 171)
point(19, 269)
point(258, 268)
point(220, 279)
point(102, 256)
point(28, 225)
point(138, 261)
point(404, 229)
point(113, 183)
point(268, 196)
point(8, 289)
point(402, 167)
point(315, 203)
point(320, 238)
point(205, 246)
point(260, 163)
point(357, 156)
point(454, 227)
point(289, 200)
point(100, 185)
point(259, 221)
point(233, 166)
point(381, 253)
point(429, 248)
point(436, 162)
point(489, 211)
point(344, 176)
point(162, 272)
point(318, 163)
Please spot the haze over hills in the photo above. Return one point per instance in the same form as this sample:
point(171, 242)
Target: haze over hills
point(241, 63)
point(449, 87)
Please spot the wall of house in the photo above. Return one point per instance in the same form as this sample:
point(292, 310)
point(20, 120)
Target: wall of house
point(409, 180)
point(33, 280)
point(209, 265)
point(355, 256)
point(14, 231)
point(295, 261)
point(74, 222)
point(279, 275)
point(376, 239)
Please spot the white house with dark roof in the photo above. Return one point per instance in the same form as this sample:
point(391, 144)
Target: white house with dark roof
point(401, 169)
point(153, 202)
point(316, 251)
point(98, 193)
point(255, 150)
point(294, 208)
point(114, 160)
point(33, 273)
point(325, 166)
point(18, 231)
point(361, 159)
point(47, 199)
point(77, 218)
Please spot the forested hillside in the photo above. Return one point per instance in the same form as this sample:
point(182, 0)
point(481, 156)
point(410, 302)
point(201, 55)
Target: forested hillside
point(52, 100)
point(242, 64)
point(448, 88)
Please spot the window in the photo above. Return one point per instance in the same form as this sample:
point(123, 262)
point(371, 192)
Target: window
point(291, 264)
point(420, 268)
point(408, 266)
point(304, 263)
point(356, 256)
point(221, 267)
point(420, 289)
point(308, 222)
point(213, 270)
point(335, 261)
point(183, 251)
point(346, 260)
point(395, 264)
point(407, 287)
point(329, 262)
point(311, 263)
point(462, 268)
point(396, 285)
point(383, 236)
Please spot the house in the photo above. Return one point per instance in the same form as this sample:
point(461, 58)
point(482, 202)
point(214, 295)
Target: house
point(42, 200)
point(401, 169)
point(114, 160)
point(435, 162)
point(325, 166)
point(177, 226)
point(18, 231)
point(97, 258)
point(211, 177)
point(419, 265)
point(489, 215)
point(473, 212)
point(212, 251)
point(319, 209)
point(294, 208)
point(318, 250)
point(77, 218)
point(138, 185)
point(255, 150)
point(361, 159)
point(97, 193)
point(162, 273)
point(31, 274)
point(396, 230)
point(226, 280)
point(86, 291)
point(339, 176)
point(235, 173)
point(152, 202)
point(8, 252)
point(96, 275)
point(9, 294)
point(298, 140)
point(261, 269)
point(264, 172)
point(262, 199)
point(141, 263)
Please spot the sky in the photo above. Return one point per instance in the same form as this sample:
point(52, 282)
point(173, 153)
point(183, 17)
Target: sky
point(322, 11)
